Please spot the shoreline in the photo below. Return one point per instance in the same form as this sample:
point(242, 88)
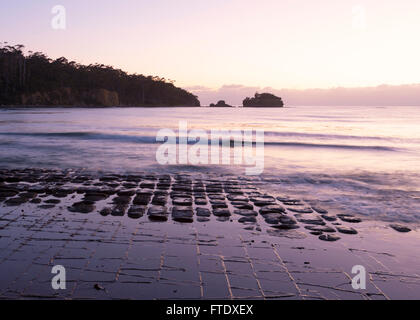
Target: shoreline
point(198, 107)
point(144, 107)
point(90, 107)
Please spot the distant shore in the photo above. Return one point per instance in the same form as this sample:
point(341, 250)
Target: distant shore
point(88, 107)
point(124, 107)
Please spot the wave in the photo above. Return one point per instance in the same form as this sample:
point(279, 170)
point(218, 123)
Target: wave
point(152, 140)
point(323, 136)
point(330, 146)
point(266, 133)
point(382, 196)
point(85, 136)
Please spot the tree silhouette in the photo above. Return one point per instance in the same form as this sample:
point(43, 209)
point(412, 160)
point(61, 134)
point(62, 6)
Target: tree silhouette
point(67, 82)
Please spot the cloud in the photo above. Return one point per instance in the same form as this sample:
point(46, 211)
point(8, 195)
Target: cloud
point(383, 95)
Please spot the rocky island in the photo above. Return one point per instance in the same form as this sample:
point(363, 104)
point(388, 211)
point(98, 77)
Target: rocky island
point(263, 100)
point(221, 104)
point(36, 80)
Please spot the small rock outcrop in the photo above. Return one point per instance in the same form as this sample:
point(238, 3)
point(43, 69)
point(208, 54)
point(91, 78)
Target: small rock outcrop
point(220, 104)
point(263, 100)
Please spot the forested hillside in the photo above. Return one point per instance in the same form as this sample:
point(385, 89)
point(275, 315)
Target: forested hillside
point(35, 79)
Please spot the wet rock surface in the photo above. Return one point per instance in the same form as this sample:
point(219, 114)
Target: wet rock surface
point(310, 218)
point(15, 201)
point(320, 229)
point(179, 198)
point(346, 230)
point(203, 212)
point(400, 228)
point(272, 209)
point(222, 212)
point(155, 231)
point(183, 214)
point(329, 217)
point(183, 200)
point(246, 212)
point(136, 212)
point(158, 213)
point(349, 218)
point(329, 237)
point(92, 196)
point(320, 210)
point(82, 207)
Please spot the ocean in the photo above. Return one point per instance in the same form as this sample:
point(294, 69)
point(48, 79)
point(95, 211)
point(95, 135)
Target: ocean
point(361, 160)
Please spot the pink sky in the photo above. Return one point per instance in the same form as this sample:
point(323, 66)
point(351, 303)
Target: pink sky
point(294, 44)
